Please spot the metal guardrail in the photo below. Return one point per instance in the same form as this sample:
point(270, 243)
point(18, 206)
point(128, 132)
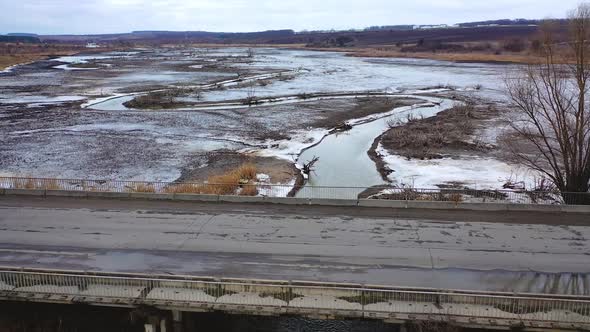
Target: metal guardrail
point(272, 190)
point(259, 296)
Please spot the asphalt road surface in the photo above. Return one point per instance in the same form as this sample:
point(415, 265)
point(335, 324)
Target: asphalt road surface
point(524, 251)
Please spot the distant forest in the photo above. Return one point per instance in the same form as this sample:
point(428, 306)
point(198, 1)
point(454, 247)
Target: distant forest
point(493, 30)
point(19, 39)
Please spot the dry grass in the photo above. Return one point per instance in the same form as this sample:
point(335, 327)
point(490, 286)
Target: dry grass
point(228, 183)
point(11, 60)
point(51, 184)
point(459, 57)
point(184, 188)
point(249, 190)
point(24, 184)
point(142, 188)
point(13, 54)
point(223, 184)
point(395, 52)
point(31, 184)
point(455, 198)
point(247, 171)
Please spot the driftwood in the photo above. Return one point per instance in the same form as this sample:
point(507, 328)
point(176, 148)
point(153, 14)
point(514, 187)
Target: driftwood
point(308, 167)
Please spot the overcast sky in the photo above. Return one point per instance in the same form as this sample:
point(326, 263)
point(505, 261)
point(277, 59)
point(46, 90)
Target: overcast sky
point(110, 16)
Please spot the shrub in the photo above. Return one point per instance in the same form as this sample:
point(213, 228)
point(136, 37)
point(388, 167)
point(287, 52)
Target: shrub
point(223, 184)
point(514, 45)
point(247, 171)
point(228, 183)
point(455, 198)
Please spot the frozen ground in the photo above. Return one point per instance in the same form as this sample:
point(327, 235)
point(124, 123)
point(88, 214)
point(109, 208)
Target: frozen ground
point(463, 170)
point(59, 122)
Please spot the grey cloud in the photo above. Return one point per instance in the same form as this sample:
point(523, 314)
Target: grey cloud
point(108, 16)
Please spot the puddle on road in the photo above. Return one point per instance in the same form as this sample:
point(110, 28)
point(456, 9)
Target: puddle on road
point(203, 264)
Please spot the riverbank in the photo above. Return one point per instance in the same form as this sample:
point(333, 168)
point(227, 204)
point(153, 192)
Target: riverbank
point(26, 54)
point(9, 61)
point(462, 147)
point(514, 58)
point(12, 55)
point(472, 57)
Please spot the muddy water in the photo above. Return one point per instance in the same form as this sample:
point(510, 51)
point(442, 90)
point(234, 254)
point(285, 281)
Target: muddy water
point(243, 323)
point(29, 316)
point(343, 157)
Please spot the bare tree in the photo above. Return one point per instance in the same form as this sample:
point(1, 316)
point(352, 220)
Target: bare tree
point(554, 115)
point(251, 96)
point(250, 52)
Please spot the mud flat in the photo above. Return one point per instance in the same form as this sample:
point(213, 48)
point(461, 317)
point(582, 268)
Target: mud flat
point(67, 117)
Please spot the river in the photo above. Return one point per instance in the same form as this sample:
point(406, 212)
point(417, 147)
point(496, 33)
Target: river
point(343, 156)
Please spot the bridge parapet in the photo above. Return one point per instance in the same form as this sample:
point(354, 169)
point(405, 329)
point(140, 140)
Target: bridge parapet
point(376, 196)
point(318, 300)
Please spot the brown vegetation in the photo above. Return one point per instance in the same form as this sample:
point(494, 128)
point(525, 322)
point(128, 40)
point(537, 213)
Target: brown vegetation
point(237, 181)
point(517, 44)
point(454, 194)
point(162, 99)
point(429, 138)
point(142, 188)
point(30, 183)
point(455, 56)
point(16, 53)
point(410, 194)
point(467, 45)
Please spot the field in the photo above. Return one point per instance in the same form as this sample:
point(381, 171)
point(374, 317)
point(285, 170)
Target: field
point(14, 54)
point(467, 43)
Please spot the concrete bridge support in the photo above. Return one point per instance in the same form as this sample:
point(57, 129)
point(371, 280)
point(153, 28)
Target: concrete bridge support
point(177, 325)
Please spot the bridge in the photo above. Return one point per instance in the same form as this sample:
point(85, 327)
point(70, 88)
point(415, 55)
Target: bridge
point(317, 300)
point(433, 261)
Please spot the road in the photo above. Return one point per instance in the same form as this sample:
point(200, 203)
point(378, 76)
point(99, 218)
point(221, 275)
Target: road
point(529, 252)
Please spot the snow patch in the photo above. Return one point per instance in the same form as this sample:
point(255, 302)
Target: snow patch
point(373, 117)
point(263, 178)
point(99, 100)
point(40, 99)
point(8, 69)
point(274, 190)
point(290, 149)
point(470, 171)
point(67, 67)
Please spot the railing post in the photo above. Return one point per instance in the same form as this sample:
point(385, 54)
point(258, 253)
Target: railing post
point(289, 294)
point(363, 299)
